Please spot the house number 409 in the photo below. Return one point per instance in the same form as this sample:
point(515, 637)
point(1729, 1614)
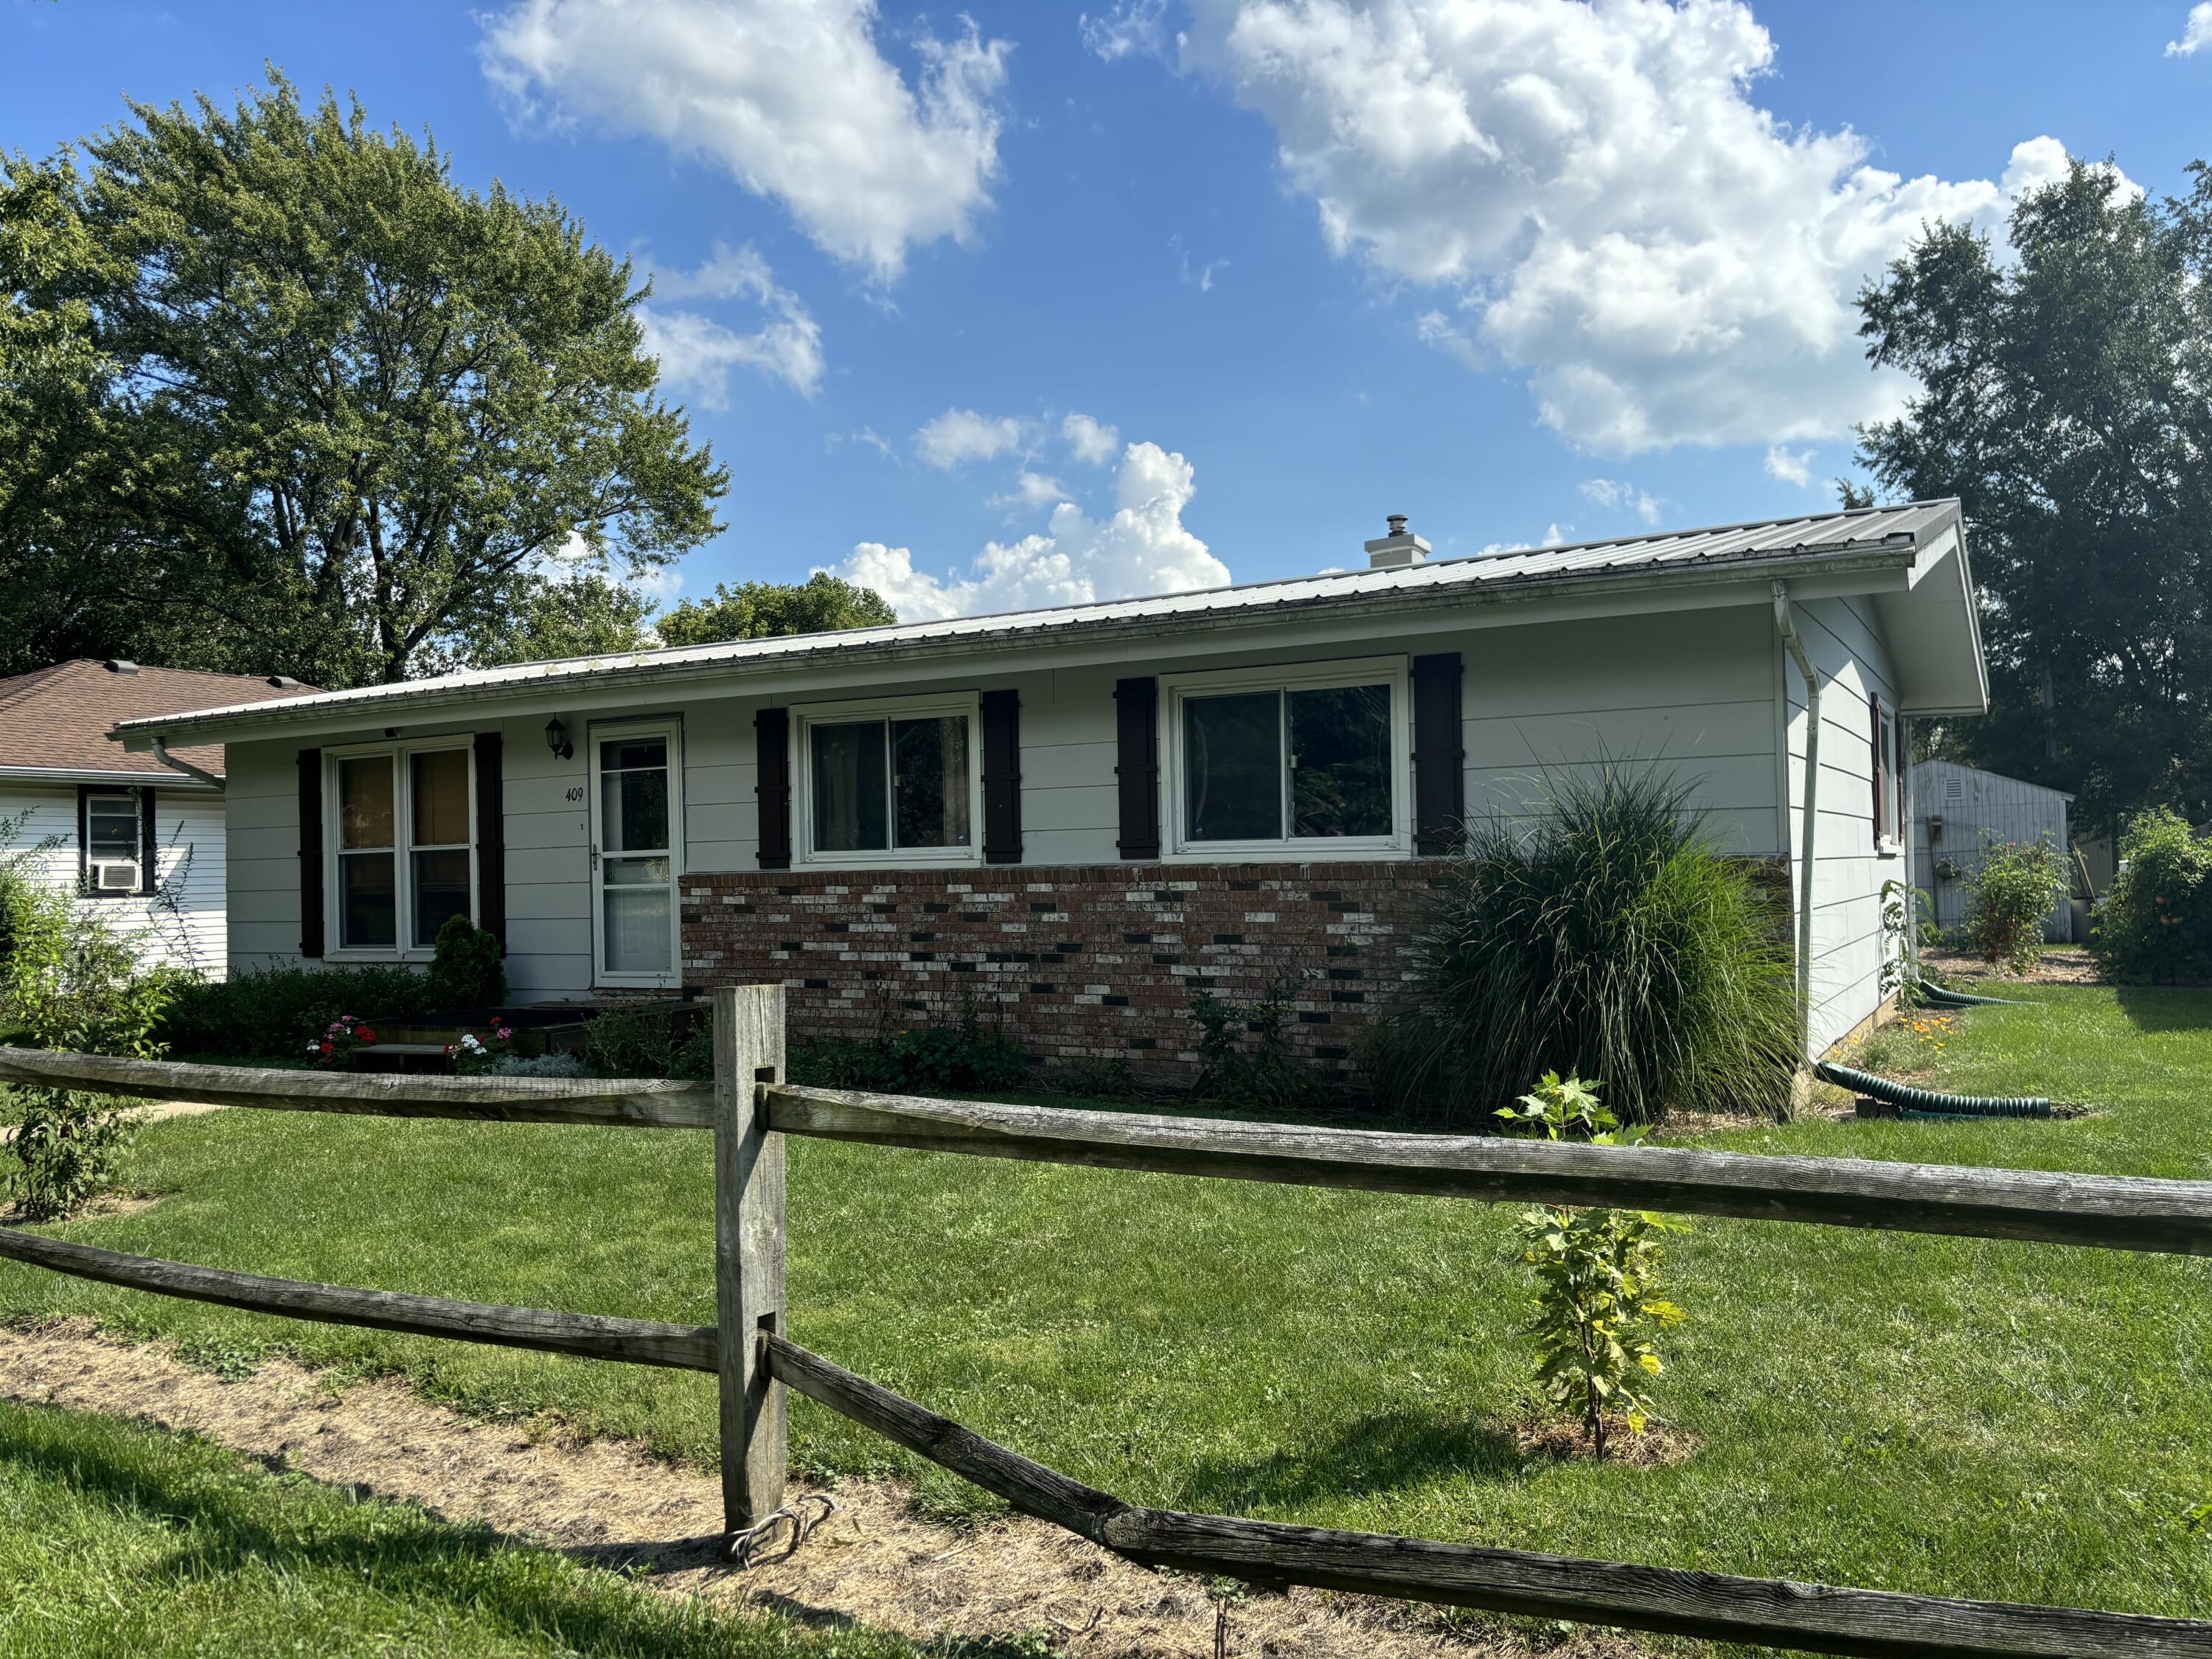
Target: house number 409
point(576, 794)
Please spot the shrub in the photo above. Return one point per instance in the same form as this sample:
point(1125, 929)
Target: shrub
point(2007, 898)
point(1555, 1111)
point(73, 982)
point(642, 1041)
point(1262, 1076)
point(465, 967)
point(270, 1015)
point(935, 1059)
point(1606, 936)
point(2155, 923)
point(548, 1064)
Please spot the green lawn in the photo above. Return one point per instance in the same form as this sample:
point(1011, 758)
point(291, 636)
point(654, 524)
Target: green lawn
point(120, 1540)
point(2020, 1422)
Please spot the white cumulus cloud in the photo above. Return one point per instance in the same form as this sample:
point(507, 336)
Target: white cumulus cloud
point(1143, 548)
point(1622, 496)
point(698, 352)
point(1132, 28)
point(1032, 490)
point(1090, 441)
point(2196, 34)
point(793, 97)
point(1614, 214)
point(961, 436)
point(1791, 466)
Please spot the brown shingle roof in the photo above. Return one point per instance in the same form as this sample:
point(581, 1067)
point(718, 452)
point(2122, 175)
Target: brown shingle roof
point(57, 718)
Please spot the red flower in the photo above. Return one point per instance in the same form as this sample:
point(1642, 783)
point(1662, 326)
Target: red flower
point(363, 1034)
point(329, 1048)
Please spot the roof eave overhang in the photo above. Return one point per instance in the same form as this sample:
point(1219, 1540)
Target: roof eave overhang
point(71, 775)
point(1857, 569)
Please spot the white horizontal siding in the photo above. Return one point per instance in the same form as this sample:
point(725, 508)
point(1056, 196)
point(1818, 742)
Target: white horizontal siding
point(185, 927)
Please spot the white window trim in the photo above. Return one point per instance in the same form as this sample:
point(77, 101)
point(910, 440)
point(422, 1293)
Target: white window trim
point(808, 716)
point(403, 829)
point(1291, 676)
point(596, 732)
point(90, 865)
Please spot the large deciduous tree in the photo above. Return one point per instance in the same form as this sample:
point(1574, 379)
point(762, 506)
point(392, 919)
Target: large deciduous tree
point(2065, 395)
point(301, 403)
point(755, 610)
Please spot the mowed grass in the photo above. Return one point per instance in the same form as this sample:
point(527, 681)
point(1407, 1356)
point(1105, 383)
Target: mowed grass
point(2016, 1422)
point(120, 1540)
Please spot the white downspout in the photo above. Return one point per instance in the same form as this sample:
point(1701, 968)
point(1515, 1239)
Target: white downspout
point(1786, 627)
point(162, 754)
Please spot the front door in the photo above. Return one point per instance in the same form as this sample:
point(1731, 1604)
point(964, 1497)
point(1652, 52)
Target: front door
point(636, 814)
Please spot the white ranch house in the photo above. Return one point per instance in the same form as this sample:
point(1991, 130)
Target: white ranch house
point(1068, 819)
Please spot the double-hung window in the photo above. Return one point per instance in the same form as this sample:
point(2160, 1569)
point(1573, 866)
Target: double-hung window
point(1888, 780)
point(889, 783)
point(404, 854)
point(1307, 760)
point(110, 825)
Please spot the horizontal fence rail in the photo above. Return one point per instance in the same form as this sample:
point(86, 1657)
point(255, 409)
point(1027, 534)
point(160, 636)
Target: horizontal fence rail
point(585, 1336)
point(642, 1103)
point(1774, 1611)
point(2112, 1212)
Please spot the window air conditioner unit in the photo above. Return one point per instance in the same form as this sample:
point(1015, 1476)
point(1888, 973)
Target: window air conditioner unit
point(115, 877)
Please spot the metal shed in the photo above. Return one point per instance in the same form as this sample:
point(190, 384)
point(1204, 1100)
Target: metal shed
point(1957, 810)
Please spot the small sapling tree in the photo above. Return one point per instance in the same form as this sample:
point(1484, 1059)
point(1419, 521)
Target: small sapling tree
point(1598, 1309)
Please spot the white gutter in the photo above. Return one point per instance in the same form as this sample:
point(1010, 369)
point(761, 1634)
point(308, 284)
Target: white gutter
point(162, 754)
point(1786, 626)
point(73, 775)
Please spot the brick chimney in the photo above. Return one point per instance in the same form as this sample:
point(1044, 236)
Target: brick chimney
point(1398, 549)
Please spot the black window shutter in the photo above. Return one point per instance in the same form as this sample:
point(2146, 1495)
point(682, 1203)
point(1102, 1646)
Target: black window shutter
point(772, 747)
point(1880, 773)
point(311, 852)
point(83, 836)
point(149, 849)
point(1439, 754)
point(491, 838)
point(1137, 765)
point(1002, 777)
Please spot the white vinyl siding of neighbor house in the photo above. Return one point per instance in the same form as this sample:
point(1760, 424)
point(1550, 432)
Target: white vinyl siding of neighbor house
point(1691, 689)
point(188, 850)
point(1854, 665)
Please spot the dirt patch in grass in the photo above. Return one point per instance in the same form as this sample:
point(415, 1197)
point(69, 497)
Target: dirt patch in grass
point(2063, 965)
point(873, 1562)
point(103, 1208)
point(1563, 1441)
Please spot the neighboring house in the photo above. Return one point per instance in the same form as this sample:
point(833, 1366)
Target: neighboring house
point(1957, 811)
point(1071, 820)
point(141, 837)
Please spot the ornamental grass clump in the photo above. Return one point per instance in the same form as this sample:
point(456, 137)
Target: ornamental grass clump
point(1603, 934)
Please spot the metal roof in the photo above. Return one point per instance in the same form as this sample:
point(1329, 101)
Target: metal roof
point(1866, 530)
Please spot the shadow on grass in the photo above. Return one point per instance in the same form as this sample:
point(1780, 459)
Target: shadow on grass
point(2166, 1007)
point(1383, 1452)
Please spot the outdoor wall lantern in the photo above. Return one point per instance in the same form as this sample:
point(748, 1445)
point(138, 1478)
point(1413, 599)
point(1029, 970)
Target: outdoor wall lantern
point(556, 739)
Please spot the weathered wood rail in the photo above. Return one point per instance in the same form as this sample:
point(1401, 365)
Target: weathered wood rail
point(751, 1110)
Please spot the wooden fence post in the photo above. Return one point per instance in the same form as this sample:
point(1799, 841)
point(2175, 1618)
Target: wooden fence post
point(748, 1249)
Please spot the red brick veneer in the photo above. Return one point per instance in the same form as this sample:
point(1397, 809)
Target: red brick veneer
point(1077, 964)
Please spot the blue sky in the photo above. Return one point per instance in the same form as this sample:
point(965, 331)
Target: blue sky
point(1036, 300)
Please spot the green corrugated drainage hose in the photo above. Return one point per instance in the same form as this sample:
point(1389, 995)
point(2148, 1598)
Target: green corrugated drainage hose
point(1927, 1102)
point(1942, 996)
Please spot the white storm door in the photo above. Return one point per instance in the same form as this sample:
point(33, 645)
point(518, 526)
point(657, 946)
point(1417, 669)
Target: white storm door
point(637, 815)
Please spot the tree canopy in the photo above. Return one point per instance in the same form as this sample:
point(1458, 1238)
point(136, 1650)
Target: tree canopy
point(754, 611)
point(278, 395)
point(2065, 395)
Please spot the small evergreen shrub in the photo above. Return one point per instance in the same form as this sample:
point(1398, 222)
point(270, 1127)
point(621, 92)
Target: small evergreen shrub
point(551, 1064)
point(1258, 1075)
point(465, 967)
point(2007, 898)
point(2155, 923)
point(1604, 935)
point(270, 1015)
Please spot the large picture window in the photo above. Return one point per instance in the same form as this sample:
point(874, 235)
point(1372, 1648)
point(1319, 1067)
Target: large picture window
point(404, 847)
point(1303, 760)
point(891, 783)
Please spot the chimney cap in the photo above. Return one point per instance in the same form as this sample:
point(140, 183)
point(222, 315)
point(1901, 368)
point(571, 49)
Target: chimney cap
point(1398, 549)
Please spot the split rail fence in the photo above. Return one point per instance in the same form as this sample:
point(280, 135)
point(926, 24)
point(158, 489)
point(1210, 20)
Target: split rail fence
point(752, 1111)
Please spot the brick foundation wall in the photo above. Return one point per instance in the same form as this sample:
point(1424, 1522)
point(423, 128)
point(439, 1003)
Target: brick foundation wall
point(1077, 964)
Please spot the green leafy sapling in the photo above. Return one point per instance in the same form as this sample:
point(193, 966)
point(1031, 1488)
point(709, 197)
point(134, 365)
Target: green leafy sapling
point(1597, 1307)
